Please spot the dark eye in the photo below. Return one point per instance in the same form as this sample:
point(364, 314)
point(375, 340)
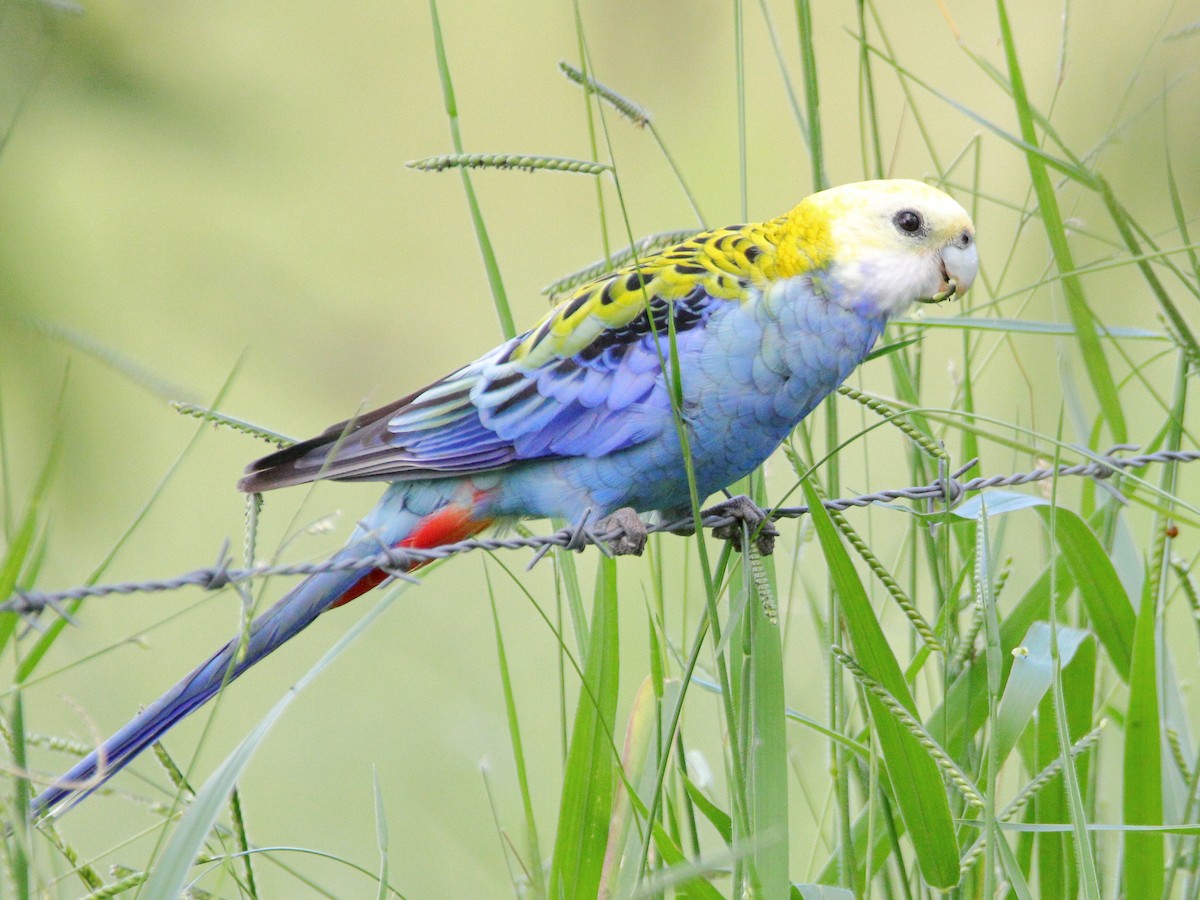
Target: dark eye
point(909, 221)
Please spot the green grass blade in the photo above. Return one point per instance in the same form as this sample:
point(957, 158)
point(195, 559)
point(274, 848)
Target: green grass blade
point(766, 760)
point(568, 580)
point(1071, 169)
point(919, 791)
point(1181, 221)
point(1099, 374)
point(495, 282)
point(1025, 326)
point(240, 836)
point(18, 845)
point(1084, 858)
point(793, 102)
point(985, 598)
point(15, 555)
point(135, 372)
point(1078, 680)
point(1142, 800)
point(381, 835)
point(583, 819)
point(812, 94)
point(22, 543)
point(1012, 871)
point(1125, 226)
point(169, 877)
point(33, 658)
point(538, 885)
point(1057, 871)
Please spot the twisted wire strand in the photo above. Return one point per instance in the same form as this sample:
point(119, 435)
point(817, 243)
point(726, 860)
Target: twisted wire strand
point(395, 560)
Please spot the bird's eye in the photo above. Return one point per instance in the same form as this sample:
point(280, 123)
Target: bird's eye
point(909, 221)
point(963, 240)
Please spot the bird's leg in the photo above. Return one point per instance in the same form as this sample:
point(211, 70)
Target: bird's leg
point(633, 541)
point(745, 513)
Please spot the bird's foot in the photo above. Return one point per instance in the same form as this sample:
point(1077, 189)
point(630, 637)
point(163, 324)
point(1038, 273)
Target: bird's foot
point(633, 540)
point(746, 513)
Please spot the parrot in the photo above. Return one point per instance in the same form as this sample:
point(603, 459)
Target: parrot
point(576, 416)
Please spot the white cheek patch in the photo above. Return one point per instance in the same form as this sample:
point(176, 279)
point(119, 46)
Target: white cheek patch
point(888, 283)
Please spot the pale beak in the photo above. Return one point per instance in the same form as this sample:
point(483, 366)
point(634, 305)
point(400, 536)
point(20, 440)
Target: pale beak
point(960, 263)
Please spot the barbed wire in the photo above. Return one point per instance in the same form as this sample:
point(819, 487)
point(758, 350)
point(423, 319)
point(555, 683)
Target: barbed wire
point(395, 560)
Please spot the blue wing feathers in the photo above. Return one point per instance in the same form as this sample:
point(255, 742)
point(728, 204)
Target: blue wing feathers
point(608, 396)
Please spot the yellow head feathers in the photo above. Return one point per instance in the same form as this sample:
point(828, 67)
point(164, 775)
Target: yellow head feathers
point(875, 246)
point(886, 243)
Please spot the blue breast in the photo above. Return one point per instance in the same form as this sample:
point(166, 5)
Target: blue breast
point(749, 376)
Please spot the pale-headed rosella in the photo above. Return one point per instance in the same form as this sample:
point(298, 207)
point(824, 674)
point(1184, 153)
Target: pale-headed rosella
point(576, 415)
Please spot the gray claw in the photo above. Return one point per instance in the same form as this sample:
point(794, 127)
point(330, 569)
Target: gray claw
point(633, 540)
point(746, 512)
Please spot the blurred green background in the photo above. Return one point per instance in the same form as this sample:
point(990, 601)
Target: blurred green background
point(219, 188)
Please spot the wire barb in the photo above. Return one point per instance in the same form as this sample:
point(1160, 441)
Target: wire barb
point(397, 560)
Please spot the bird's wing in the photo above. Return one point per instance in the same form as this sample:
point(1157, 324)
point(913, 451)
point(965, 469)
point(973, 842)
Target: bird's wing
point(584, 382)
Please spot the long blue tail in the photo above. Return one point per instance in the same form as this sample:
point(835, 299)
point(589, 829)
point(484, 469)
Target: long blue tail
point(280, 623)
point(417, 514)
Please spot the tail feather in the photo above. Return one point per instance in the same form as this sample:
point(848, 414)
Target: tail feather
point(412, 514)
point(280, 623)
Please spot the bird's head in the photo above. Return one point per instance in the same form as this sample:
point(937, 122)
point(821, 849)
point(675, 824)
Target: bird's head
point(881, 245)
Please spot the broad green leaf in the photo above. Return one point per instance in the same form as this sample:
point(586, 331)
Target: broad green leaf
point(717, 817)
point(964, 709)
point(1058, 871)
point(1109, 610)
point(919, 791)
point(820, 892)
point(583, 819)
point(642, 730)
point(767, 760)
point(766, 741)
point(1142, 786)
point(998, 503)
point(686, 876)
point(1030, 677)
